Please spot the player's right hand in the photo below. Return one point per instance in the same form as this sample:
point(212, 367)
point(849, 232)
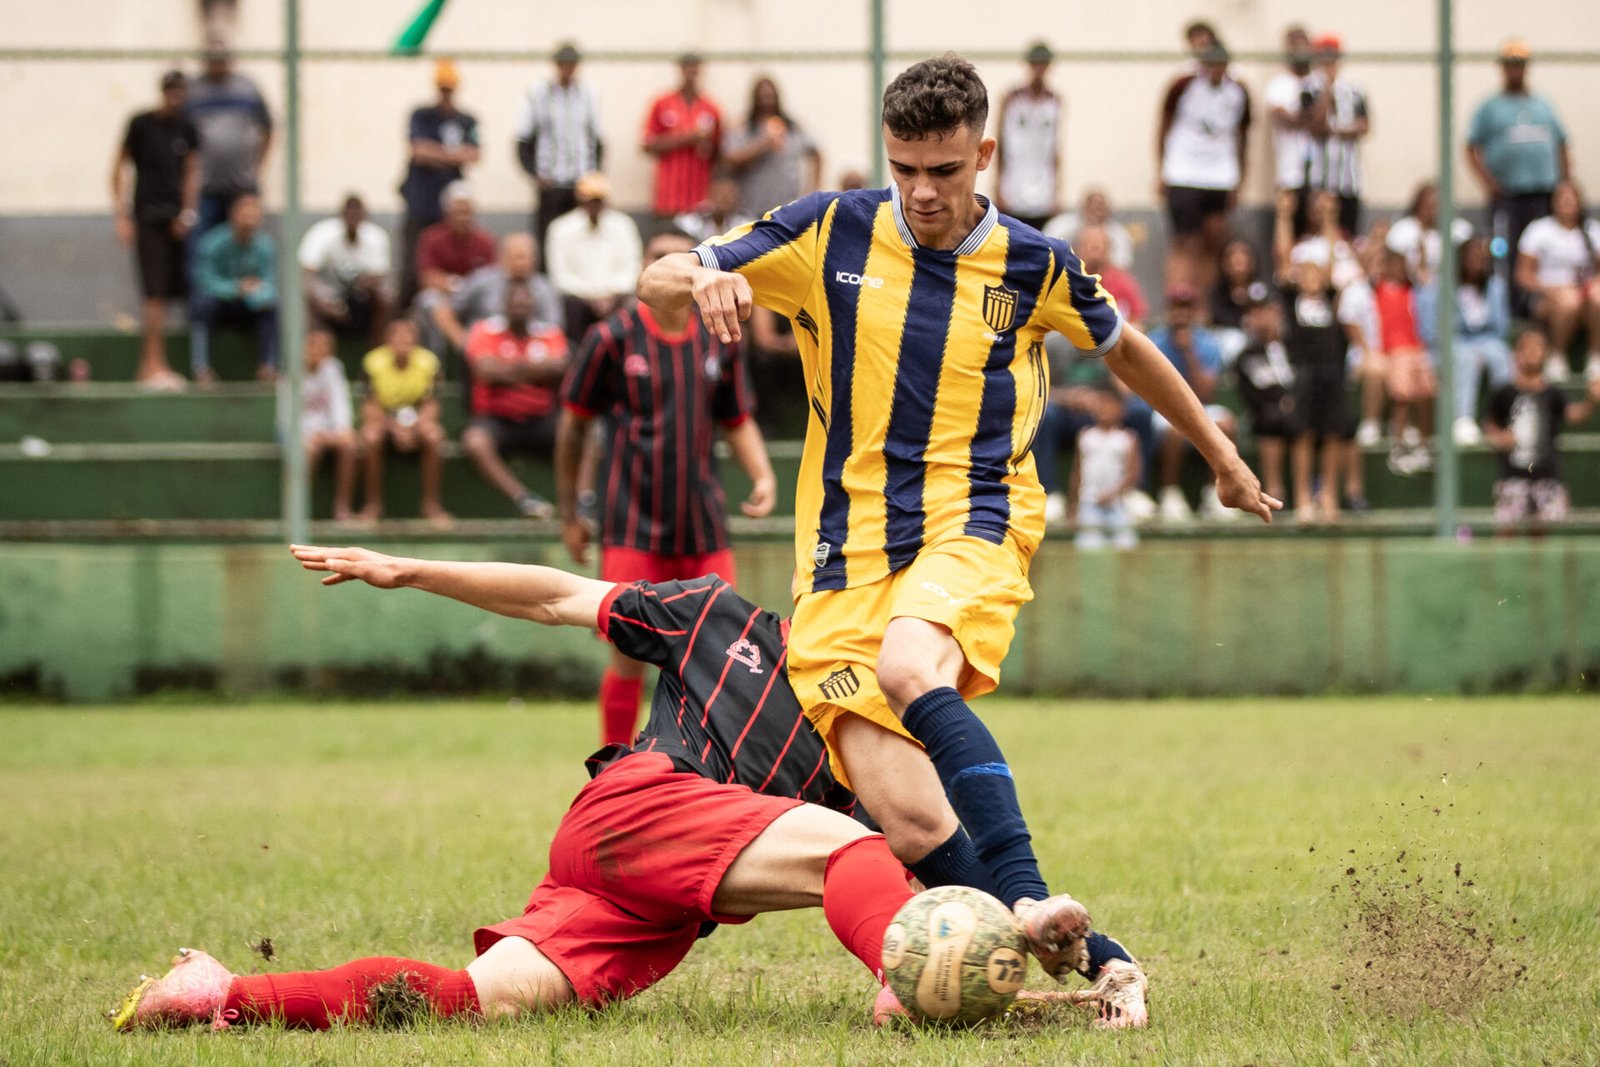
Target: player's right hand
point(352, 564)
point(575, 534)
point(724, 299)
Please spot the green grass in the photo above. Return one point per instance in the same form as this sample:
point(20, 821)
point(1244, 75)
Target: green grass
point(1213, 837)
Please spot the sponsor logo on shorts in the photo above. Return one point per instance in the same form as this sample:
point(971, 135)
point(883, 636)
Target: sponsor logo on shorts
point(742, 651)
point(940, 592)
point(840, 684)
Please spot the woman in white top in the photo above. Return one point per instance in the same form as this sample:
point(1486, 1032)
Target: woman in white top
point(1558, 259)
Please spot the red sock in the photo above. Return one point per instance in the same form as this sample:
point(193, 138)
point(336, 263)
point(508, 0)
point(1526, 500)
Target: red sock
point(862, 887)
point(619, 707)
point(315, 1000)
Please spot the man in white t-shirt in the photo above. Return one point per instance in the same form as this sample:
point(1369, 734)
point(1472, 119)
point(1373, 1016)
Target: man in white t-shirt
point(1288, 98)
point(345, 261)
point(594, 257)
point(1204, 146)
point(1028, 153)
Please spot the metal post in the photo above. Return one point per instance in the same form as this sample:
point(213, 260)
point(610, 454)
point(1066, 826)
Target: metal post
point(1445, 481)
point(296, 482)
point(879, 56)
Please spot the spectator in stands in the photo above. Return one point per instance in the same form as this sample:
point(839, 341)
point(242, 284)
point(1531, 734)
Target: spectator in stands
point(682, 131)
point(402, 412)
point(1483, 321)
point(1289, 96)
point(345, 263)
point(595, 257)
point(1230, 298)
point(1027, 158)
point(451, 249)
point(327, 425)
point(719, 214)
point(517, 364)
point(1191, 348)
point(1267, 387)
point(772, 156)
point(1339, 122)
point(483, 293)
point(1202, 154)
point(1526, 417)
point(1518, 148)
point(443, 144)
point(236, 282)
point(1096, 211)
point(1093, 246)
point(160, 147)
point(852, 179)
point(1415, 234)
point(559, 139)
point(235, 133)
point(1408, 372)
point(1201, 37)
point(1107, 468)
point(1558, 266)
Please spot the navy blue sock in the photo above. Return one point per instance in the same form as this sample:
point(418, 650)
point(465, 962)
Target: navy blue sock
point(1101, 949)
point(955, 862)
point(978, 783)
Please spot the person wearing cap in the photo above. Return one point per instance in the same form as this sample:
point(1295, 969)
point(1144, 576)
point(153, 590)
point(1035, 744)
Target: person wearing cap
point(559, 138)
point(160, 149)
point(1518, 149)
point(683, 131)
point(1028, 150)
point(595, 255)
point(235, 133)
point(1339, 121)
point(1202, 152)
point(443, 144)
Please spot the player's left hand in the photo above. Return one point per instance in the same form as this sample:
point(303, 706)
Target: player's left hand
point(352, 564)
point(1238, 487)
point(763, 496)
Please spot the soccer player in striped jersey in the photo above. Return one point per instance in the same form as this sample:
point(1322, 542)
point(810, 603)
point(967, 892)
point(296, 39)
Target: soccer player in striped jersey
point(723, 808)
point(664, 385)
point(920, 312)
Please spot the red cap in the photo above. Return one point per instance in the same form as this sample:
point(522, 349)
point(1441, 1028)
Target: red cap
point(1328, 42)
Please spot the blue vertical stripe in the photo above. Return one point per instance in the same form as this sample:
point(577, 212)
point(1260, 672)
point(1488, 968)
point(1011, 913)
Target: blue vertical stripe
point(989, 514)
point(849, 241)
point(916, 388)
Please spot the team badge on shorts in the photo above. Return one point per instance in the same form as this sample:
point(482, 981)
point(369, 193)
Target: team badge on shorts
point(840, 684)
point(999, 307)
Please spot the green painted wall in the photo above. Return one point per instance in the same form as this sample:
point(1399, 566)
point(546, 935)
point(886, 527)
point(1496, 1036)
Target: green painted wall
point(1197, 617)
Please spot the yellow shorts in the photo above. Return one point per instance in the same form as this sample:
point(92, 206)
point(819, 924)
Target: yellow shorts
point(971, 587)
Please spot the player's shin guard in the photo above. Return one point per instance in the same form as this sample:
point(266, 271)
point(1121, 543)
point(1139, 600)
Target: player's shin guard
point(978, 782)
point(380, 990)
point(619, 707)
point(862, 887)
point(955, 862)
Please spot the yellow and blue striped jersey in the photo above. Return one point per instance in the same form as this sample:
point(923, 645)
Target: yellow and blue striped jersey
point(925, 369)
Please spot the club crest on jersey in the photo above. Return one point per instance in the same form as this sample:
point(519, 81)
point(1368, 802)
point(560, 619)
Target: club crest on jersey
point(636, 366)
point(999, 307)
point(840, 684)
point(820, 554)
point(742, 651)
point(713, 369)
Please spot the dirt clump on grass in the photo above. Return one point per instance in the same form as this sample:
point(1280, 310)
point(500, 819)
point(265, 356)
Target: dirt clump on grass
point(1415, 940)
point(394, 1004)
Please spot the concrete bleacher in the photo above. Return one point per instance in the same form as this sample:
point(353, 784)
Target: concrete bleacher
point(105, 459)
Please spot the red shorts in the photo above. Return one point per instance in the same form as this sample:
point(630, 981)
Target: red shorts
point(619, 564)
point(633, 868)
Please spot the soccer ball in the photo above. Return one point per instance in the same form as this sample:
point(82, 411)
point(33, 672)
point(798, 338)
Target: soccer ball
point(954, 954)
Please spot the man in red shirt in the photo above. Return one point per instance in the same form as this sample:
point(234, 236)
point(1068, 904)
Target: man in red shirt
point(683, 131)
point(456, 245)
point(516, 365)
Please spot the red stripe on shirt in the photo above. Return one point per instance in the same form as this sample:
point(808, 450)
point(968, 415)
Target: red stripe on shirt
point(688, 649)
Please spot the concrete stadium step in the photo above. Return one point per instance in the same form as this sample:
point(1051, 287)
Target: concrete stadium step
point(112, 352)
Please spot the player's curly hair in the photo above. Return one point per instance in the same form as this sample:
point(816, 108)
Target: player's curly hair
point(934, 97)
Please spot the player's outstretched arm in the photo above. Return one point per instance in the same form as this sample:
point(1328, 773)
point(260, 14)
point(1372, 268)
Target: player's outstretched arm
point(542, 594)
point(724, 299)
point(1140, 364)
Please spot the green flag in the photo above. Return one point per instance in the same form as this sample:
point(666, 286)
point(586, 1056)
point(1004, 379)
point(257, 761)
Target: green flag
point(409, 43)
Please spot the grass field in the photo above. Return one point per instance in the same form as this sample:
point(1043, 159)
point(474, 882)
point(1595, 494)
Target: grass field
point(1249, 851)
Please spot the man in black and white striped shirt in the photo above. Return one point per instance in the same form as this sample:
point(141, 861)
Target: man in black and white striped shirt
point(558, 138)
point(1340, 121)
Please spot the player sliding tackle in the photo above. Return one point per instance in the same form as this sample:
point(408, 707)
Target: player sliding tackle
point(689, 845)
point(920, 313)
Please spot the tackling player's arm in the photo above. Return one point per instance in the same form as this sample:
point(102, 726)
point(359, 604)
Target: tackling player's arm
point(724, 299)
point(540, 594)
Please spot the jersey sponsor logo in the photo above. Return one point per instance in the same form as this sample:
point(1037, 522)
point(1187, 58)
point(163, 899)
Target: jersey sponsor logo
point(865, 281)
point(840, 684)
point(742, 651)
point(713, 369)
point(820, 554)
point(636, 366)
point(999, 307)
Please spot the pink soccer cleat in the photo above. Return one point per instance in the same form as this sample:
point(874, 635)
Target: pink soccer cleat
point(887, 1007)
point(192, 992)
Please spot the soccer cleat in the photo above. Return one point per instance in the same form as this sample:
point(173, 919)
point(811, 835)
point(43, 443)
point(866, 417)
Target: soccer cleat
point(1120, 992)
point(886, 1007)
point(1055, 929)
point(193, 991)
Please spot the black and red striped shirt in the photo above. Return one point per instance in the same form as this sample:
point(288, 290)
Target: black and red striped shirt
point(723, 708)
point(664, 395)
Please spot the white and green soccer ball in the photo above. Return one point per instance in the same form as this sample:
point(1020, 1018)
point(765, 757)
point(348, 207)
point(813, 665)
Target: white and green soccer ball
point(954, 954)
